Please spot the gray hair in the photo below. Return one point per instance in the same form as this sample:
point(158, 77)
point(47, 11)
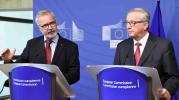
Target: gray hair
point(42, 13)
point(146, 15)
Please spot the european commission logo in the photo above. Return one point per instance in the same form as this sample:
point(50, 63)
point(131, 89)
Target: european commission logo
point(114, 33)
point(71, 32)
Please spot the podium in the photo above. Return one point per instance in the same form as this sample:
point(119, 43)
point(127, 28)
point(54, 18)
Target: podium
point(4, 89)
point(36, 82)
point(122, 82)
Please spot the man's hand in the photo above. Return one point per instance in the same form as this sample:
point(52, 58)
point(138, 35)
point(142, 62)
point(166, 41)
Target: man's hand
point(7, 55)
point(164, 94)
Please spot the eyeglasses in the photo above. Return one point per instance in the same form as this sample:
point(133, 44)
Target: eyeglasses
point(46, 26)
point(133, 23)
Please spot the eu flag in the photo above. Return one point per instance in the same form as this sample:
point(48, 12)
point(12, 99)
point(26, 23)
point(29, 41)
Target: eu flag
point(157, 26)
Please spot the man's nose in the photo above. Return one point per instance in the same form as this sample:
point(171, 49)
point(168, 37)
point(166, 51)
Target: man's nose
point(49, 27)
point(128, 26)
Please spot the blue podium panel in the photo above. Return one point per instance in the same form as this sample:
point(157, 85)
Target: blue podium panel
point(28, 83)
point(122, 84)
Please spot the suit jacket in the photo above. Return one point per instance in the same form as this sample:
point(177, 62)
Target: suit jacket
point(66, 56)
point(158, 53)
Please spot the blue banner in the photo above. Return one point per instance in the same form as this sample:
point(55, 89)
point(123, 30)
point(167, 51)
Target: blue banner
point(97, 26)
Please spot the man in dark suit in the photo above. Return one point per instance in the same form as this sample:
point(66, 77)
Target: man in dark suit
point(63, 53)
point(152, 51)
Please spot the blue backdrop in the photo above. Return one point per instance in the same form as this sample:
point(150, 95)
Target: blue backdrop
point(86, 21)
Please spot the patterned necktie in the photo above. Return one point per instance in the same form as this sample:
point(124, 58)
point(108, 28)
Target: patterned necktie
point(137, 53)
point(48, 51)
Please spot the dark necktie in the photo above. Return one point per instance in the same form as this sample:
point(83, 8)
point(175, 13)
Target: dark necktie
point(137, 53)
point(48, 51)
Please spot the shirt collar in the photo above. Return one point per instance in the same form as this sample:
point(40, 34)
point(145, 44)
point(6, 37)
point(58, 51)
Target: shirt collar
point(54, 40)
point(143, 40)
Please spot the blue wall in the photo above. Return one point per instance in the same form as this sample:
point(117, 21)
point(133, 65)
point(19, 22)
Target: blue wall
point(84, 22)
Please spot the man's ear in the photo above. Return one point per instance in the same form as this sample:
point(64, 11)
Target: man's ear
point(146, 25)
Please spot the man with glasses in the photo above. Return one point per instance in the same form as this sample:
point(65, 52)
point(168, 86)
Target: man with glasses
point(143, 49)
point(50, 48)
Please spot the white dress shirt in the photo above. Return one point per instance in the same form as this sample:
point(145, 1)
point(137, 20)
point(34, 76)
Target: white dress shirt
point(53, 44)
point(143, 42)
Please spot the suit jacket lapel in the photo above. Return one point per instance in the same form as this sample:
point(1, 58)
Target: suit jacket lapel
point(147, 50)
point(58, 50)
point(40, 51)
point(130, 57)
